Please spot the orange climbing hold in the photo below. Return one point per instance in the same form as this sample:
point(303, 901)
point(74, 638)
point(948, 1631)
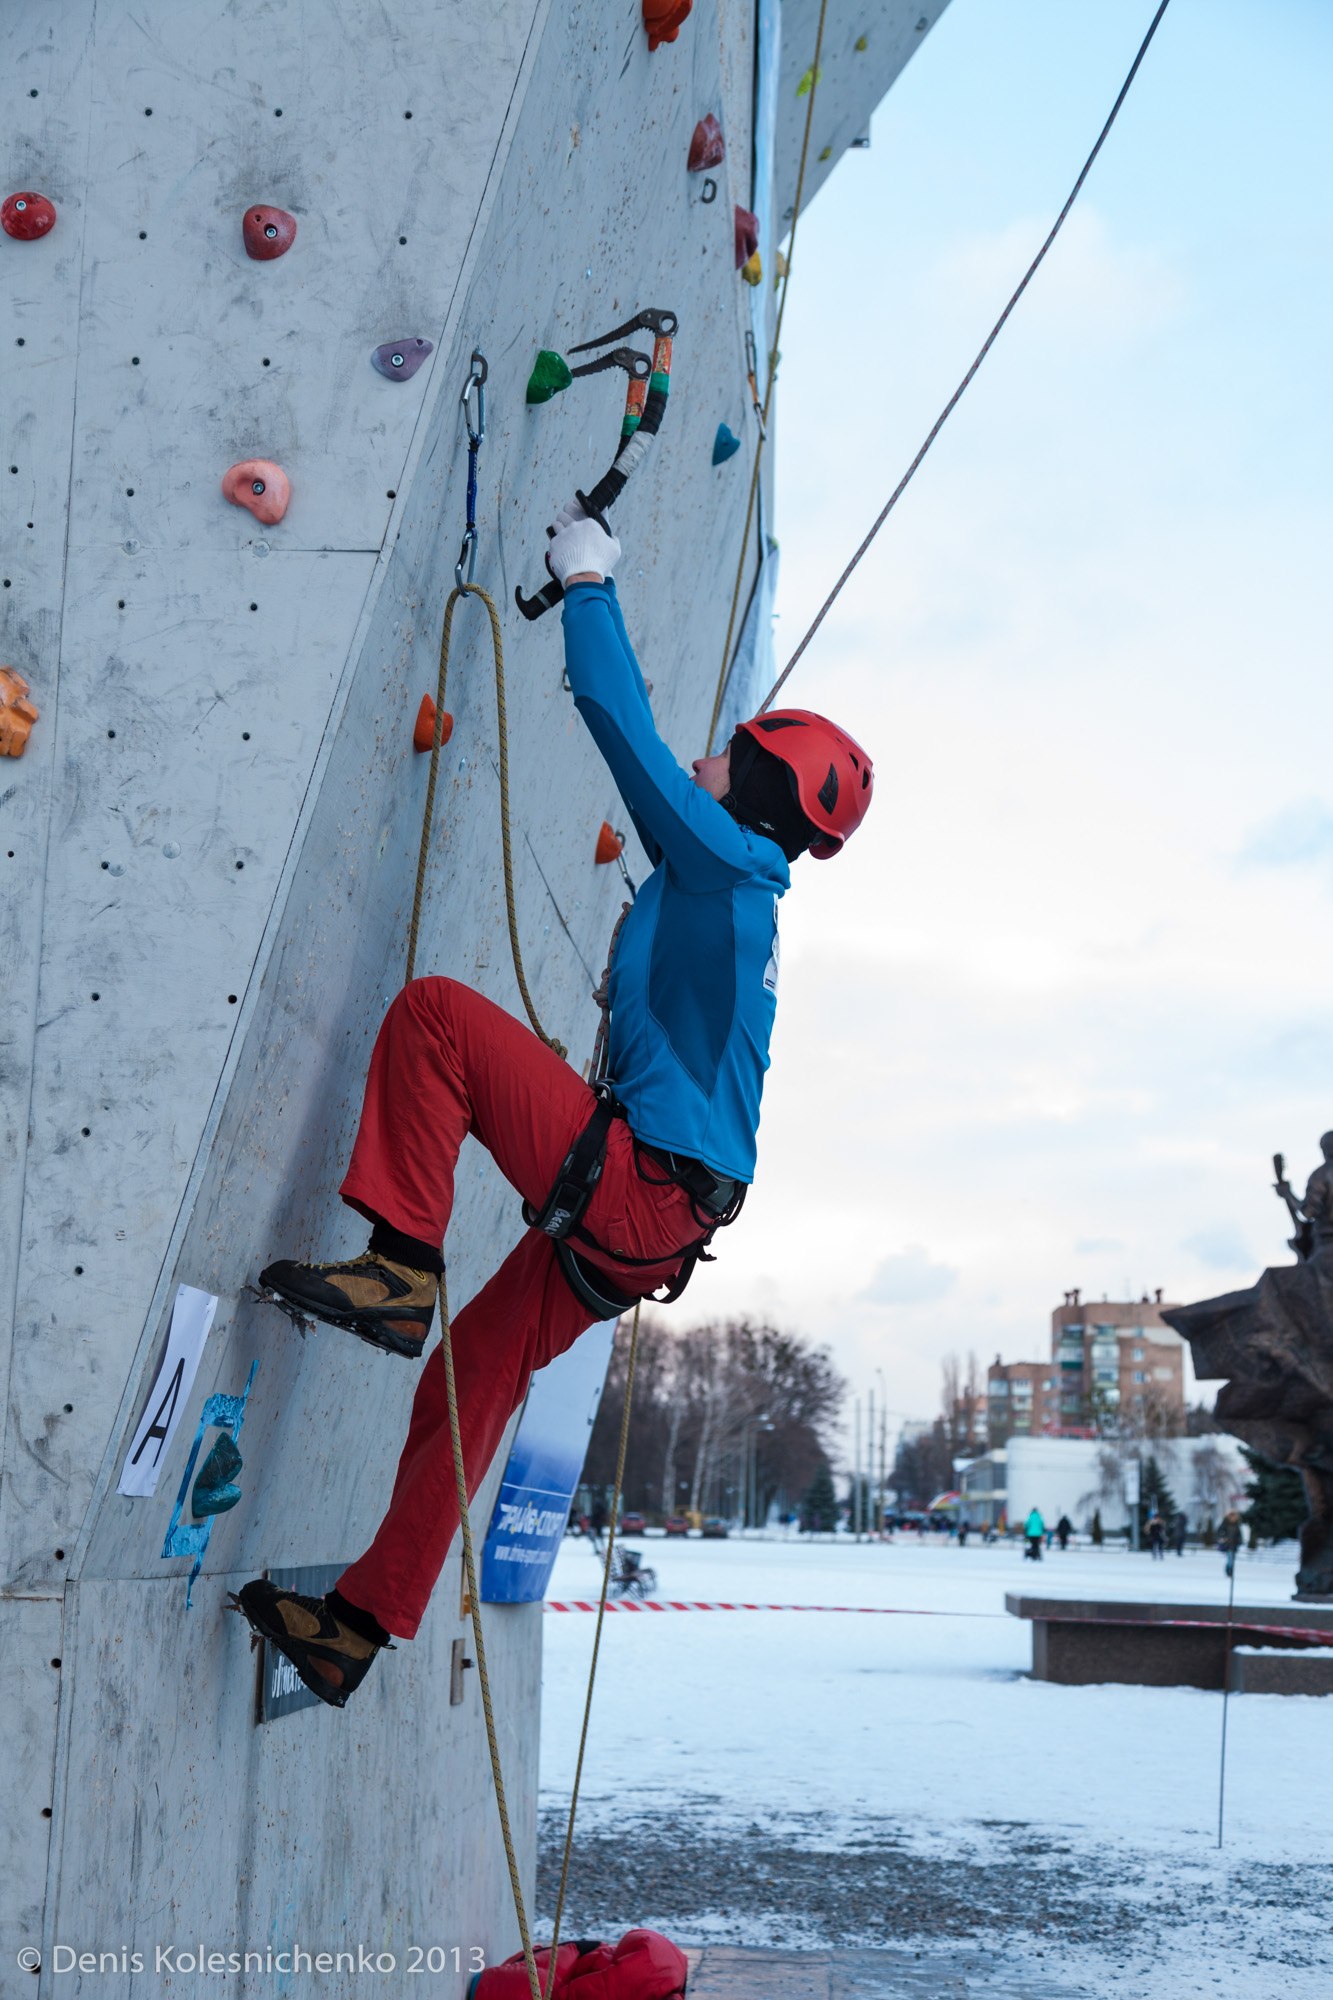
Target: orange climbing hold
point(423, 736)
point(610, 844)
point(260, 485)
point(663, 20)
point(17, 713)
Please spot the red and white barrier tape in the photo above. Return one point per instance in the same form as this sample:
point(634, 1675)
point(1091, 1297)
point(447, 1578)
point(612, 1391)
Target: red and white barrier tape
point(1239, 1623)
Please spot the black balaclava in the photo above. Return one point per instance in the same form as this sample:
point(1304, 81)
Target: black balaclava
point(763, 796)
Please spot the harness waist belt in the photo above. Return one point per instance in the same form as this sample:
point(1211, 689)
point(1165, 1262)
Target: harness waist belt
point(712, 1191)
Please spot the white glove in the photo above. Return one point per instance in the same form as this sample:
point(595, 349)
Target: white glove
point(580, 545)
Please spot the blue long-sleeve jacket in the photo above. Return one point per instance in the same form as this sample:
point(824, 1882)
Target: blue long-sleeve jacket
point(694, 983)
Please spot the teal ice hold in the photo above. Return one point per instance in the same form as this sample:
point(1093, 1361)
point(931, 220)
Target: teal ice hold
point(214, 1489)
point(725, 445)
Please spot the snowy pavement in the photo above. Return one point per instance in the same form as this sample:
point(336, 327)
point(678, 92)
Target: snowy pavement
point(813, 1779)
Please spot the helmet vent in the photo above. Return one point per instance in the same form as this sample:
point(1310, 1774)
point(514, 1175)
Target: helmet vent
point(828, 791)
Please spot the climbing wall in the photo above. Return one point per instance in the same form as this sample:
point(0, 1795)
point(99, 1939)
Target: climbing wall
point(211, 838)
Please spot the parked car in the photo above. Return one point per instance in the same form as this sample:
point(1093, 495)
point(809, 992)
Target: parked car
point(676, 1524)
point(632, 1524)
point(714, 1529)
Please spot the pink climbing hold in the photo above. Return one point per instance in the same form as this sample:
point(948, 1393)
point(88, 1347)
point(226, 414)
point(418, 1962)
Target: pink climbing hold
point(747, 236)
point(707, 148)
point(268, 232)
point(261, 486)
point(27, 216)
point(662, 19)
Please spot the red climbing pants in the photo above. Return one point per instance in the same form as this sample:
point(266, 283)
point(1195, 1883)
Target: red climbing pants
point(448, 1062)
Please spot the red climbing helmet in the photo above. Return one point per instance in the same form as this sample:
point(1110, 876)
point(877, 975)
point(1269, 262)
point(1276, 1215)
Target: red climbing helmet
point(835, 780)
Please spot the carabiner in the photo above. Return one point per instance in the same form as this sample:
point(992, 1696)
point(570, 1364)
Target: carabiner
point(476, 381)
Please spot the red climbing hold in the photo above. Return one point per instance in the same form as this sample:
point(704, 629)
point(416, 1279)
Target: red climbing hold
point(17, 713)
point(747, 235)
point(423, 736)
point(707, 148)
point(27, 216)
point(610, 844)
point(261, 486)
point(663, 19)
point(268, 232)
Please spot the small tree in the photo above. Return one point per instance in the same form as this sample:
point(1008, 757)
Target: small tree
point(1096, 1528)
point(819, 1508)
point(1156, 1495)
point(1278, 1505)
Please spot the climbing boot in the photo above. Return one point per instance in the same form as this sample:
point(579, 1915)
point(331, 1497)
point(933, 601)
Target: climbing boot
point(329, 1656)
point(388, 1304)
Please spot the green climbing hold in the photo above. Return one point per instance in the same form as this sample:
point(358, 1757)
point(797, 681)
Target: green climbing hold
point(550, 374)
point(827, 153)
point(808, 82)
point(861, 44)
point(214, 1489)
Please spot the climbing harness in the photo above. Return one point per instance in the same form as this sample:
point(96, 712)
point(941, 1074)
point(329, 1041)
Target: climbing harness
point(580, 1171)
point(645, 406)
point(476, 438)
point(957, 395)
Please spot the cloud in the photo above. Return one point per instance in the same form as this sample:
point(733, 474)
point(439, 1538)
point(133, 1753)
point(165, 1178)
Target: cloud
point(1097, 1246)
point(1297, 836)
point(909, 1278)
point(1221, 1248)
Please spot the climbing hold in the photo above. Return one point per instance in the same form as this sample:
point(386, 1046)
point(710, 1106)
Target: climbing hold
point(550, 374)
point(215, 1489)
point(810, 81)
point(747, 235)
point(268, 233)
point(610, 844)
point(752, 270)
point(707, 148)
point(725, 445)
point(27, 216)
point(663, 20)
point(261, 486)
point(827, 153)
point(861, 44)
point(782, 267)
point(423, 735)
point(399, 360)
point(17, 713)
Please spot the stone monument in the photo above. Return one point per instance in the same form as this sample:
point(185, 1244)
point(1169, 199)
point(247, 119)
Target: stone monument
point(1274, 1343)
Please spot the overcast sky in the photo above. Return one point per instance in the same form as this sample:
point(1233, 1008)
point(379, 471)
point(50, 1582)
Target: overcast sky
point(1047, 1019)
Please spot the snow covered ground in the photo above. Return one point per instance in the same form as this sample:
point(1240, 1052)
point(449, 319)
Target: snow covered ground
point(806, 1778)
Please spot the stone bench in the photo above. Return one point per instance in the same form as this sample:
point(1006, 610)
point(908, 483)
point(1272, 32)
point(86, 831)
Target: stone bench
point(1082, 1640)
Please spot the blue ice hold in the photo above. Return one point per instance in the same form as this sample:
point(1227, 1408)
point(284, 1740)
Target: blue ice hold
point(215, 1490)
point(725, 445)
point(399, 360)
point(190, 1538)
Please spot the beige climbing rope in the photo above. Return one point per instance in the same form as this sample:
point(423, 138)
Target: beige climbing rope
point(725, 669)
point(428, 817)
point(460, 1475)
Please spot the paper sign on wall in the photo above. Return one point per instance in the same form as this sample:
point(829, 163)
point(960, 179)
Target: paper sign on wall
point(191, 1318)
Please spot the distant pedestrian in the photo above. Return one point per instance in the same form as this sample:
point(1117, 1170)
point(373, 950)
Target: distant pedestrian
point(1156, 1536)
point(1229, 1538)
point(1034, 1529)
point(1064, 1528)
point(964, 1530)
point(1179, 1532)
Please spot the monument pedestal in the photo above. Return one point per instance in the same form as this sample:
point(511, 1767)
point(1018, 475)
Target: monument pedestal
point(1083, 1640)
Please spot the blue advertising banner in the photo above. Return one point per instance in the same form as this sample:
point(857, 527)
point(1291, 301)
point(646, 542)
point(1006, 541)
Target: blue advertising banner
point(545, 1460)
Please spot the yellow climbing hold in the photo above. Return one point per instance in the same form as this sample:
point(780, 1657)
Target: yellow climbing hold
point(809, 81)
point(861, 44)
point(783, 266)
point(752, 270)
point(827, 153)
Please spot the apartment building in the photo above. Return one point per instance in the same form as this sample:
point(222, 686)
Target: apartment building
point(1109, 1361)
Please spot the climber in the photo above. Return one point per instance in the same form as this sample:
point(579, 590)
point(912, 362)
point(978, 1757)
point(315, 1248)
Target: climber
point(624, 1186)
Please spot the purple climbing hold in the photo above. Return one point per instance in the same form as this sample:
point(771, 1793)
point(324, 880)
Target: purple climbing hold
point(268, 232)
point(747, 235)
point(725, 445)
point(399, 360)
